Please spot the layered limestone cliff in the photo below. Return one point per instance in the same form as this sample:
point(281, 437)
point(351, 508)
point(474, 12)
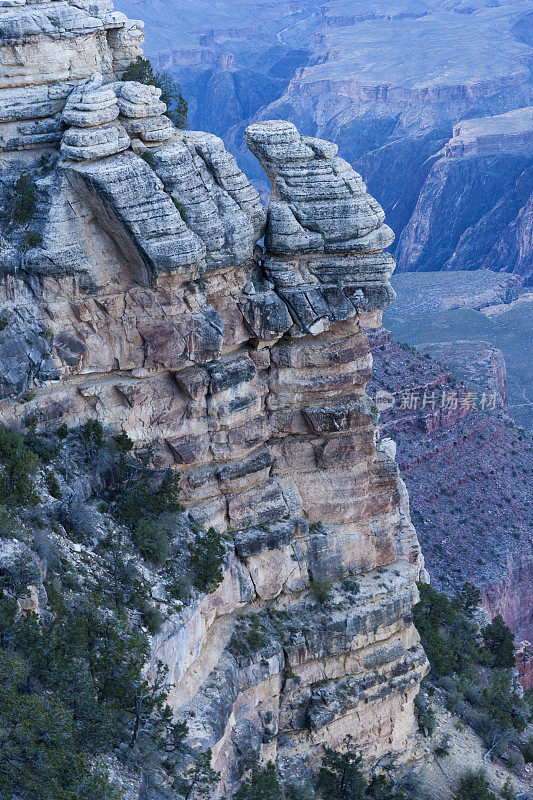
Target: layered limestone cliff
point(135, 293)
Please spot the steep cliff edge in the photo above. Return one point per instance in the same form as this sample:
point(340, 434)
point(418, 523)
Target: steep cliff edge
point(133, 293)
point(391, 86)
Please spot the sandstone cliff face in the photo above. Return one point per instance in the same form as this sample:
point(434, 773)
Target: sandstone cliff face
point(141, 299)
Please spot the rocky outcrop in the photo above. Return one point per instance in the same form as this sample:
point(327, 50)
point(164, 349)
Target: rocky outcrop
point(92, 114)
point(430, 103)
point(150, 307)
point(491, 226)
point(48, 48)
point(325, 235)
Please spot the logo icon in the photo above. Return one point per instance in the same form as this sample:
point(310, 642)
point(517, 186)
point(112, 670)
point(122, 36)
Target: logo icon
point(384, 400)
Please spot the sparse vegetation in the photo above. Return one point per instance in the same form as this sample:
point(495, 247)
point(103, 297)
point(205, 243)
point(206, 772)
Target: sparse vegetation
point(18, 465)
point(322, 591)
point(151, 539)
point(142, 71)
point(207, 556)
point(250, 635)
point(465, 666)
point(448, 633)
point(263, 784)
point(181, 208)
point(78, 671)
point(77, 684)
point(508, 792)
point(24, 199)
point(474, 787)
point(340, 778)
point(31, 239)
point(149, 158)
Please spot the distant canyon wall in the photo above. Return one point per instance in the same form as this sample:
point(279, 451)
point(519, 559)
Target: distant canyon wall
point(399, 93)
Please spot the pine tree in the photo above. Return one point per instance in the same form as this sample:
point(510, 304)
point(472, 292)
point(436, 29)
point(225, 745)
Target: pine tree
point(262, 785)
point(499, 641)
point(207, 556)
point(474, 787)
point(340, 778)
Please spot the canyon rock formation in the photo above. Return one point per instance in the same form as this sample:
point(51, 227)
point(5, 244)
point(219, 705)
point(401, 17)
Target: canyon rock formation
point(431, 102)
point(134, 293)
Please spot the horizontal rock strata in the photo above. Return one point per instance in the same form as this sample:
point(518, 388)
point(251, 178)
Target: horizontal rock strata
point(149, 306)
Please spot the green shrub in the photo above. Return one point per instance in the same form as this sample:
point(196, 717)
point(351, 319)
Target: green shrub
point(351, 586)
point(249, 636)
point(149, 158)
point(3, 323)
point(504, 702)
point(181, 208)
point(177, 584)
point(427, 722)
point(7, 524)
point(92, 663)
point(25, 199)
point(142, 71)
point(340, 778)
point(8, 610)
point(31, 239)
point(151, 539)
point(316, 527)
point(443, 749)
point(45, 446)
point(527, 750)
point(151, 615)
point(200, 779)
point(467, 599)
point(39, 760)
point(207, 557)
point(123, 442)
point(92, 435)
point(53, 485)
point(139, 496)
point(17, 466)
point(322, 591)
point(448, 634)
point(499, 642)
point(262, 785)
point(16, 576)
point(508, 792)
point(474, 786)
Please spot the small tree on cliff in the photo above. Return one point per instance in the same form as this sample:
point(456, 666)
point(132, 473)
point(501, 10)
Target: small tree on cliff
point(340, 777)
point(499, 642)
point(207, 556)
point(467, 599)
point(262, 785)
point(142, 71)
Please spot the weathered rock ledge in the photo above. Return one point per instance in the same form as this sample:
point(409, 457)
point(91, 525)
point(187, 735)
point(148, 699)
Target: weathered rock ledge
point(143, 300)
